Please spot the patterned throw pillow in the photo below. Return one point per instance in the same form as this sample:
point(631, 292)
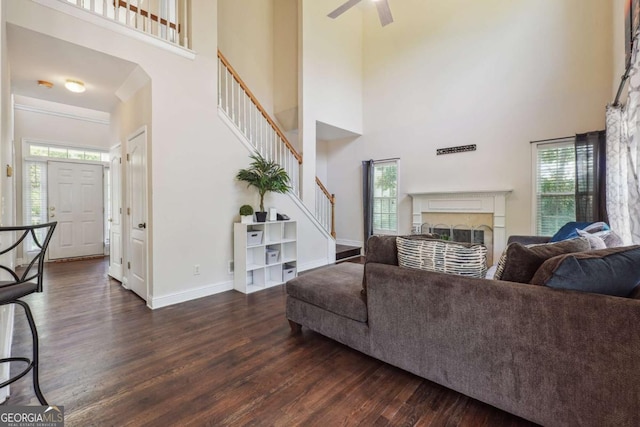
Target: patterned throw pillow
point(443, 256)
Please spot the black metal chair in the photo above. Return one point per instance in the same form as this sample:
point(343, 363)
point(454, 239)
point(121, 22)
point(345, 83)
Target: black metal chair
point(21, 282)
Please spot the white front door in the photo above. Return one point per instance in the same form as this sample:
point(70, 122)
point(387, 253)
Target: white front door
point(137, 209)
point(75, 195)
point(115, 214)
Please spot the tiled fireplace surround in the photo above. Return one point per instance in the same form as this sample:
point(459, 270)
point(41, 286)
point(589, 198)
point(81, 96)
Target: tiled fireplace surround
point(465, 202)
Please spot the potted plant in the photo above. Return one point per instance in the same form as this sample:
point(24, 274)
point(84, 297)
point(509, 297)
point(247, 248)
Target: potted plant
point(265, 175)
point(246, 214)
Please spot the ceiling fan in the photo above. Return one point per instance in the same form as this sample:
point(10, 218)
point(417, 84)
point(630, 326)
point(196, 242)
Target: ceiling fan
point(384, 12)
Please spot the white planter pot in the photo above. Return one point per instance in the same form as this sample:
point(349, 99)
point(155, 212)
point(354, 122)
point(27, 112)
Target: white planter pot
point(246, 219)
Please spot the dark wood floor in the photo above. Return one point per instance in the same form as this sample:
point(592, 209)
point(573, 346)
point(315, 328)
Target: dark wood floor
point(223, 360)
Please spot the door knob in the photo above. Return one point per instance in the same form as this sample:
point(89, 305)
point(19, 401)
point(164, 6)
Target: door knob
point(142, 225)
point(52, 215)
point(52, 208)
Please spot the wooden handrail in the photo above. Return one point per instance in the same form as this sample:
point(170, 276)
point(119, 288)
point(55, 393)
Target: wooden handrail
point(255, 101)
point(134, 9)
point(332, 200)
point(330, 196)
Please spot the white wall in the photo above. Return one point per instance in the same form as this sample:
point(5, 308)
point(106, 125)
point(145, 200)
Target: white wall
point(322, 158)
point(6, 311)
point(495, 73)
point(618, 47)
point(285, 63)
point(245, 38)
point(331, 79)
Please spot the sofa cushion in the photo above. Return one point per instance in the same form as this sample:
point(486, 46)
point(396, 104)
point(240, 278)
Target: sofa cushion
point(519, 263)
point(335, 288)
point(611, 271)
point(383, 250)
point(464, 259)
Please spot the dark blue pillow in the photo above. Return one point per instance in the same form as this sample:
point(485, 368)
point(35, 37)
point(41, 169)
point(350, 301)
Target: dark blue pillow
point(568, 231)
point(612, 271)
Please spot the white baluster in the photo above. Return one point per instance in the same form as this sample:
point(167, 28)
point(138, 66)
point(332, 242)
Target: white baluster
point(104, 7)
point(176, 5)
point(126, 15)
point(185, 30)
point(166, 15)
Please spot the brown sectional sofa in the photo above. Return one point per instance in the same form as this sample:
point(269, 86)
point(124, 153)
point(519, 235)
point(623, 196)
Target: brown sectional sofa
point(558, 358)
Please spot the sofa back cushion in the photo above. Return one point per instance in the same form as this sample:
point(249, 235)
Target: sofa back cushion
point(612, 271)
point(443, 256)
point(519, 263)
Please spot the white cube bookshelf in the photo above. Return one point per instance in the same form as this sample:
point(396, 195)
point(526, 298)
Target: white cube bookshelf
point(251, 271)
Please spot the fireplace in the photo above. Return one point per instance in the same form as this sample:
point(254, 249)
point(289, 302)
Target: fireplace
point(466, 215)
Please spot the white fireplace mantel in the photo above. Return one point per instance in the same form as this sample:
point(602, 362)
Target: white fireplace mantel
point(493, 202)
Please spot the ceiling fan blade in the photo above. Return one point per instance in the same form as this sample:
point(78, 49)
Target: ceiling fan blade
point(342, 9)
point(384, 12)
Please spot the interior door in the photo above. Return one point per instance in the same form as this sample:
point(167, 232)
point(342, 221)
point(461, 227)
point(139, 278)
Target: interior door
point(115, 214)
point(75, 196)
point(137, 209)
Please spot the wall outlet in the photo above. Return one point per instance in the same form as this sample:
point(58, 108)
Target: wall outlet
point(196, 270)
point(230, 267)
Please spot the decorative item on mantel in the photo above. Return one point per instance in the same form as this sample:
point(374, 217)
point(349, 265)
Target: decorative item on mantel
point(246, 214)
point(265, 175)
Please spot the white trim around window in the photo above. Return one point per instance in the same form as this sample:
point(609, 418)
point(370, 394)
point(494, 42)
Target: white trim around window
point(385, 203)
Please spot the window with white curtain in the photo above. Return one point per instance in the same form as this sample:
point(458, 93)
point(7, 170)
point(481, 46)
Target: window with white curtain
point(385, 197)
point(554, 186)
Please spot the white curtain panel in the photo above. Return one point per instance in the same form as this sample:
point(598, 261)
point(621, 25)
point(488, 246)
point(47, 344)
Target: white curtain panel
point(623, 145)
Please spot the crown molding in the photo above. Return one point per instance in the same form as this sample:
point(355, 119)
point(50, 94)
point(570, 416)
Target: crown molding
point(38, 110)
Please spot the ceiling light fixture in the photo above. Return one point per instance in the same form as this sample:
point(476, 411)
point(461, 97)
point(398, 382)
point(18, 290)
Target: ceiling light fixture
point(45, 84)
point(75, 86)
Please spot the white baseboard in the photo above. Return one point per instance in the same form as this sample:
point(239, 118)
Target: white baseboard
point(188, 295)
point(355, 243)
point(313, 264)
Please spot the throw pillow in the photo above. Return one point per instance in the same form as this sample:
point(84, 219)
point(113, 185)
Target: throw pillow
point(595, 241)
point(611, 238)
point(611, 271)
point(568, 231)
point(383, 250)
point(522, 262)
point(443, 256)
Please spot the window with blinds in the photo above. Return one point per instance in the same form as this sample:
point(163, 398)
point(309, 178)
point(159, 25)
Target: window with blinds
point(385, 197)
point(34, 195)
point(555, 186)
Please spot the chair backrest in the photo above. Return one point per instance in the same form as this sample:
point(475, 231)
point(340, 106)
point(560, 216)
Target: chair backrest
point(40, 235)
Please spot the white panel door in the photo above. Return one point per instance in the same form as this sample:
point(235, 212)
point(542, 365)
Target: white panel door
point(75, 198)
point(137, 200)
point(115, 215)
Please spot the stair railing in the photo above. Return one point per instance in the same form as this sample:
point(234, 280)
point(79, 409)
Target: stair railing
point(166, 20)
point(325, 207)
point(253, 121)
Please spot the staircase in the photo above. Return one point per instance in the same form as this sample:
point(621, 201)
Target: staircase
point(260, 134)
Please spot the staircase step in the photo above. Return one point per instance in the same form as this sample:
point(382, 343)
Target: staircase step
point(344, 251)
